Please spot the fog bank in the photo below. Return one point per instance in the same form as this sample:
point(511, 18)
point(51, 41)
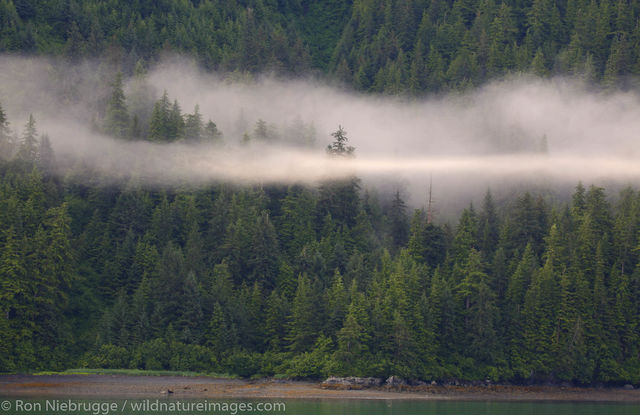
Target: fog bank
point(520, 130)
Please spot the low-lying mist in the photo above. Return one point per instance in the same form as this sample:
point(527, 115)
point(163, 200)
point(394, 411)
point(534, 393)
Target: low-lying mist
point(549, 133)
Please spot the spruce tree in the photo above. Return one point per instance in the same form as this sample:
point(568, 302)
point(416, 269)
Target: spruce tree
point(117, 121)
point(28, 150)
point(159, 125)
point(337, 302)
point(340, 146)
point(399, 223)
point(211, 132)
point(5, 135)
point(264, 257)
point(193, 126)
point(303, 322)
point(488, 228)
point(352, 338)
point(46, 157)
point(175, 123)
point(340, 198)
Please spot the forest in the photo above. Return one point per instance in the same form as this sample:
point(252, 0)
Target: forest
point(300, 280)
point(304, 282)
point(400, 46)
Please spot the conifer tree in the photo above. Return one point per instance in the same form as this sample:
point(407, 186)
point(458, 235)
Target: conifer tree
point(303, 323)
point(159, 126)
point(275, 319)
point(465, 238)
point(479, 311)
point(117, 121)
point(46, 157)
point(14, 274)
point(337, 302)
point(28, 150)
point(193, 126)
point(175, 123)
point(221, 336)
point(517, 287)
point(296, 224)
point(340, 146)
point(399, 226)
point(353, 337)
point(488, 228)
point(211, 132)
point(5, 135)
point(190, 318)
point(540, 305)
point(340, 198)
point(264, 258)
point(350, 346)
point(261, 131)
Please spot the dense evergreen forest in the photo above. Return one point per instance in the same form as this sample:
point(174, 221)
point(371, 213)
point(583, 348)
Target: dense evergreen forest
point(304, 281)
point(397, 46)
point(310, 281)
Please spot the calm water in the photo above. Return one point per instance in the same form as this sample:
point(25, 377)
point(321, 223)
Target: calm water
point(458, 408)
point(64, 406)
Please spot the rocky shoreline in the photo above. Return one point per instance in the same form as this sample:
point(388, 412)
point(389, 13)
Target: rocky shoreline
point(398, 383)
point(170, 387)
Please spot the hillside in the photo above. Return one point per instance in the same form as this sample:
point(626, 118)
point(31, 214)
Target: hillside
point(113, 254)
point(399, 46)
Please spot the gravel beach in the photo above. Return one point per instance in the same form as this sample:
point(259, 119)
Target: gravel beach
point(122, 386)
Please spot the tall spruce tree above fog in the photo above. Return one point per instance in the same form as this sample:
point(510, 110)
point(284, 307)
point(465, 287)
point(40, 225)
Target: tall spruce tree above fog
point(340, 146)
point(339, 198)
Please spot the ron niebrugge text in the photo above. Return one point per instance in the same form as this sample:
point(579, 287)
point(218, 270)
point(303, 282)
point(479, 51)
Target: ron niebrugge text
point(147, 405)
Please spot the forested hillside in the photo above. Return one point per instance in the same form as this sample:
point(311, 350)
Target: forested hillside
point(399, 46)
point(310, 280)
point(306, 281)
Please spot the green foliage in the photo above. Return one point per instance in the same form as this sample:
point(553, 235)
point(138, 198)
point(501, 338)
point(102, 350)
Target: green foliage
point(152, 355)
point(399, 222)
point(339, 199)
point(339, 147)
point(307, 282)
point(244, 364)
point(162, 126)
point(314, 364)
point(303, 327)
point(117, 121)
point(5, 136)
point(28, 150)
point(193, 126)
point(109, 356)
point(400, 46)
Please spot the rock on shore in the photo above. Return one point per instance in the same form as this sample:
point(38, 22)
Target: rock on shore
point(351, 382)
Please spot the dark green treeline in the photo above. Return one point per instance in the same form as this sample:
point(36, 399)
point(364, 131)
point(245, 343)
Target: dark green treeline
point(391, 46)
point(310, 282)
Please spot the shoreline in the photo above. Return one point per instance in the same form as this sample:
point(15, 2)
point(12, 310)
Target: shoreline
point(185, 387)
